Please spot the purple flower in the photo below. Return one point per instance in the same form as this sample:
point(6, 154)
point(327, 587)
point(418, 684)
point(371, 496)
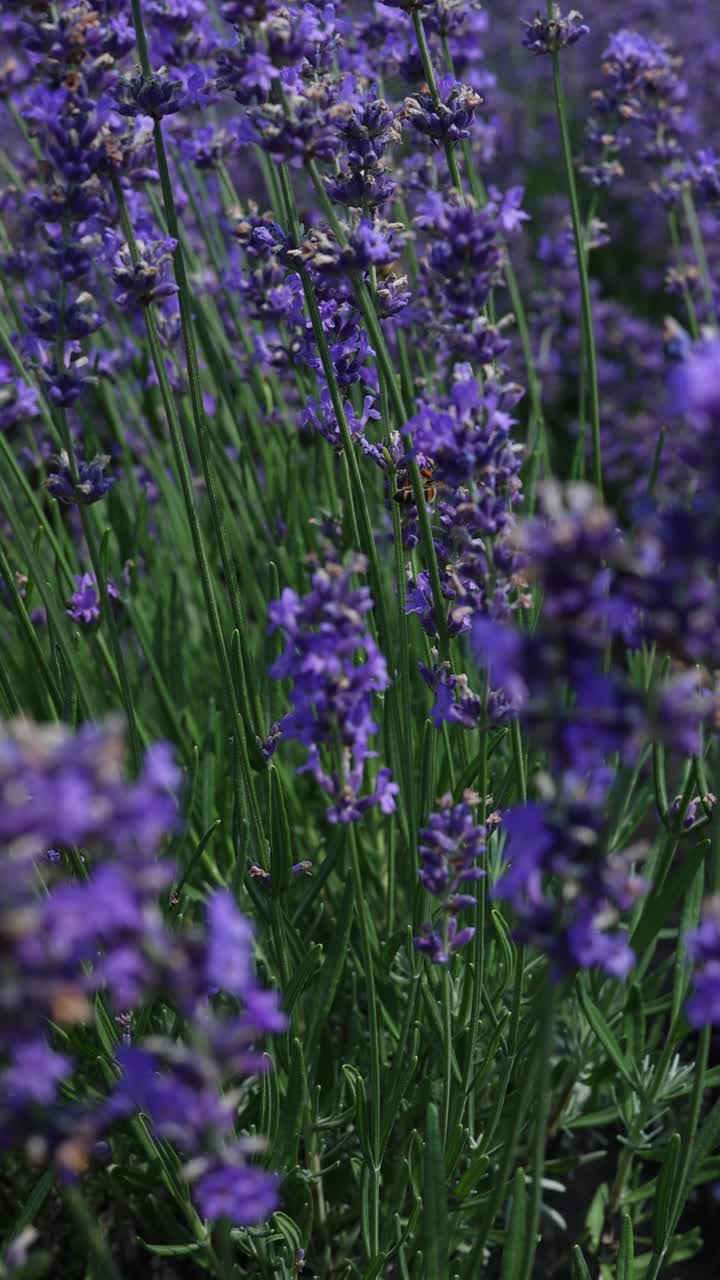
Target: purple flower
point(447, 121)
point(19, 402)
point(84, 603)
point(336, 668)
point(703, 944)
point(34, 1073)
point(230, 943)
point(90, 486)
point(450, 846)
point(142, 281)
point(80, 318)
point(244, 1194)
point(152, 95)
point(703, 173)
point(567, 893)
point(549, 35)
point(682, 710)
point(106, 932)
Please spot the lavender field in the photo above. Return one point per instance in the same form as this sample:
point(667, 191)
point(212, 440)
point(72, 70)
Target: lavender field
point(359, 640)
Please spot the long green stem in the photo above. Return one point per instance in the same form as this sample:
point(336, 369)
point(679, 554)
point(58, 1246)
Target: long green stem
point(182, 466)
point(385, 367)
point(682, 1186)
point(586, 301)
point(374, 1030)
point(447, 1076)
point(542, 1113)
point(429, 73)
point(196, 398)
point(700, 254)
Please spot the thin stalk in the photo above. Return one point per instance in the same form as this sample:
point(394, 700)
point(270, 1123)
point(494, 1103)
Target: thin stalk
point(374, 1031)
point(537, 434)
point(53, 700)
point(586, 301)
point(542, 1114)
point(447, 1076)
point(429, 73)
point(687, 296)
point(185, 304)
point(527, 1074)
point(120, 674)
point(385, 367)
point(182, 466)
point(698, 245)
point(478, 942)
point(682, 1187)
point(86, 1221)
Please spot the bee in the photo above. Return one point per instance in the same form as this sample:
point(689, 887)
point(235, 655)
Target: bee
point(404, 494)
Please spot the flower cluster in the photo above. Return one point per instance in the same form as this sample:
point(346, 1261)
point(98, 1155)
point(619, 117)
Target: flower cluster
point(103, 936)
point(450, 847)
point(549, 35)
point(88, 485)
point(641, 90)
point(566, 891)
point(84, 604)
point(703, 945)
point(336, 667)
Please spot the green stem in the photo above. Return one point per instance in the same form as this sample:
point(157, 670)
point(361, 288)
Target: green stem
point(374, 1030)
point(447, 1079)
point(86, 1221)
point(543, 1094)
point(385, 367)
point(525, 1073)
point(242, 702)
point(182, 467)
point(429, 73)
point(687, 296)
point(700, 255)
point(682, 1186)
point(586, 302)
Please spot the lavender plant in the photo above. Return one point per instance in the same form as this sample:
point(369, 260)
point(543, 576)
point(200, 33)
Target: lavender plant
point(360, 621)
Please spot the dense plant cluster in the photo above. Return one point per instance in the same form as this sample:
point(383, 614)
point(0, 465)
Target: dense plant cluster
point(360, 626)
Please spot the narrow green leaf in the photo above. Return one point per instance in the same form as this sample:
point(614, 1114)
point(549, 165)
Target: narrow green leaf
point(34, 1202)
point(302, 975)
point(359, 1093)
point(662, 1216)
point(660, 905)
point(604, 1034)
point(292, 1110)
point(376, 1266)
point(289, 1230)
point(281, 855)
point(506, 946)
point(332, 971)
point(427, 771)
point(689, 921)
point(472, 1176)
point(513, 1257)
point(435, 1211)
point(707, 1139)
point(171, 1250)
point(596, 1213)
point(580, 1269)
point(626, 1254)
point(197, 855)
